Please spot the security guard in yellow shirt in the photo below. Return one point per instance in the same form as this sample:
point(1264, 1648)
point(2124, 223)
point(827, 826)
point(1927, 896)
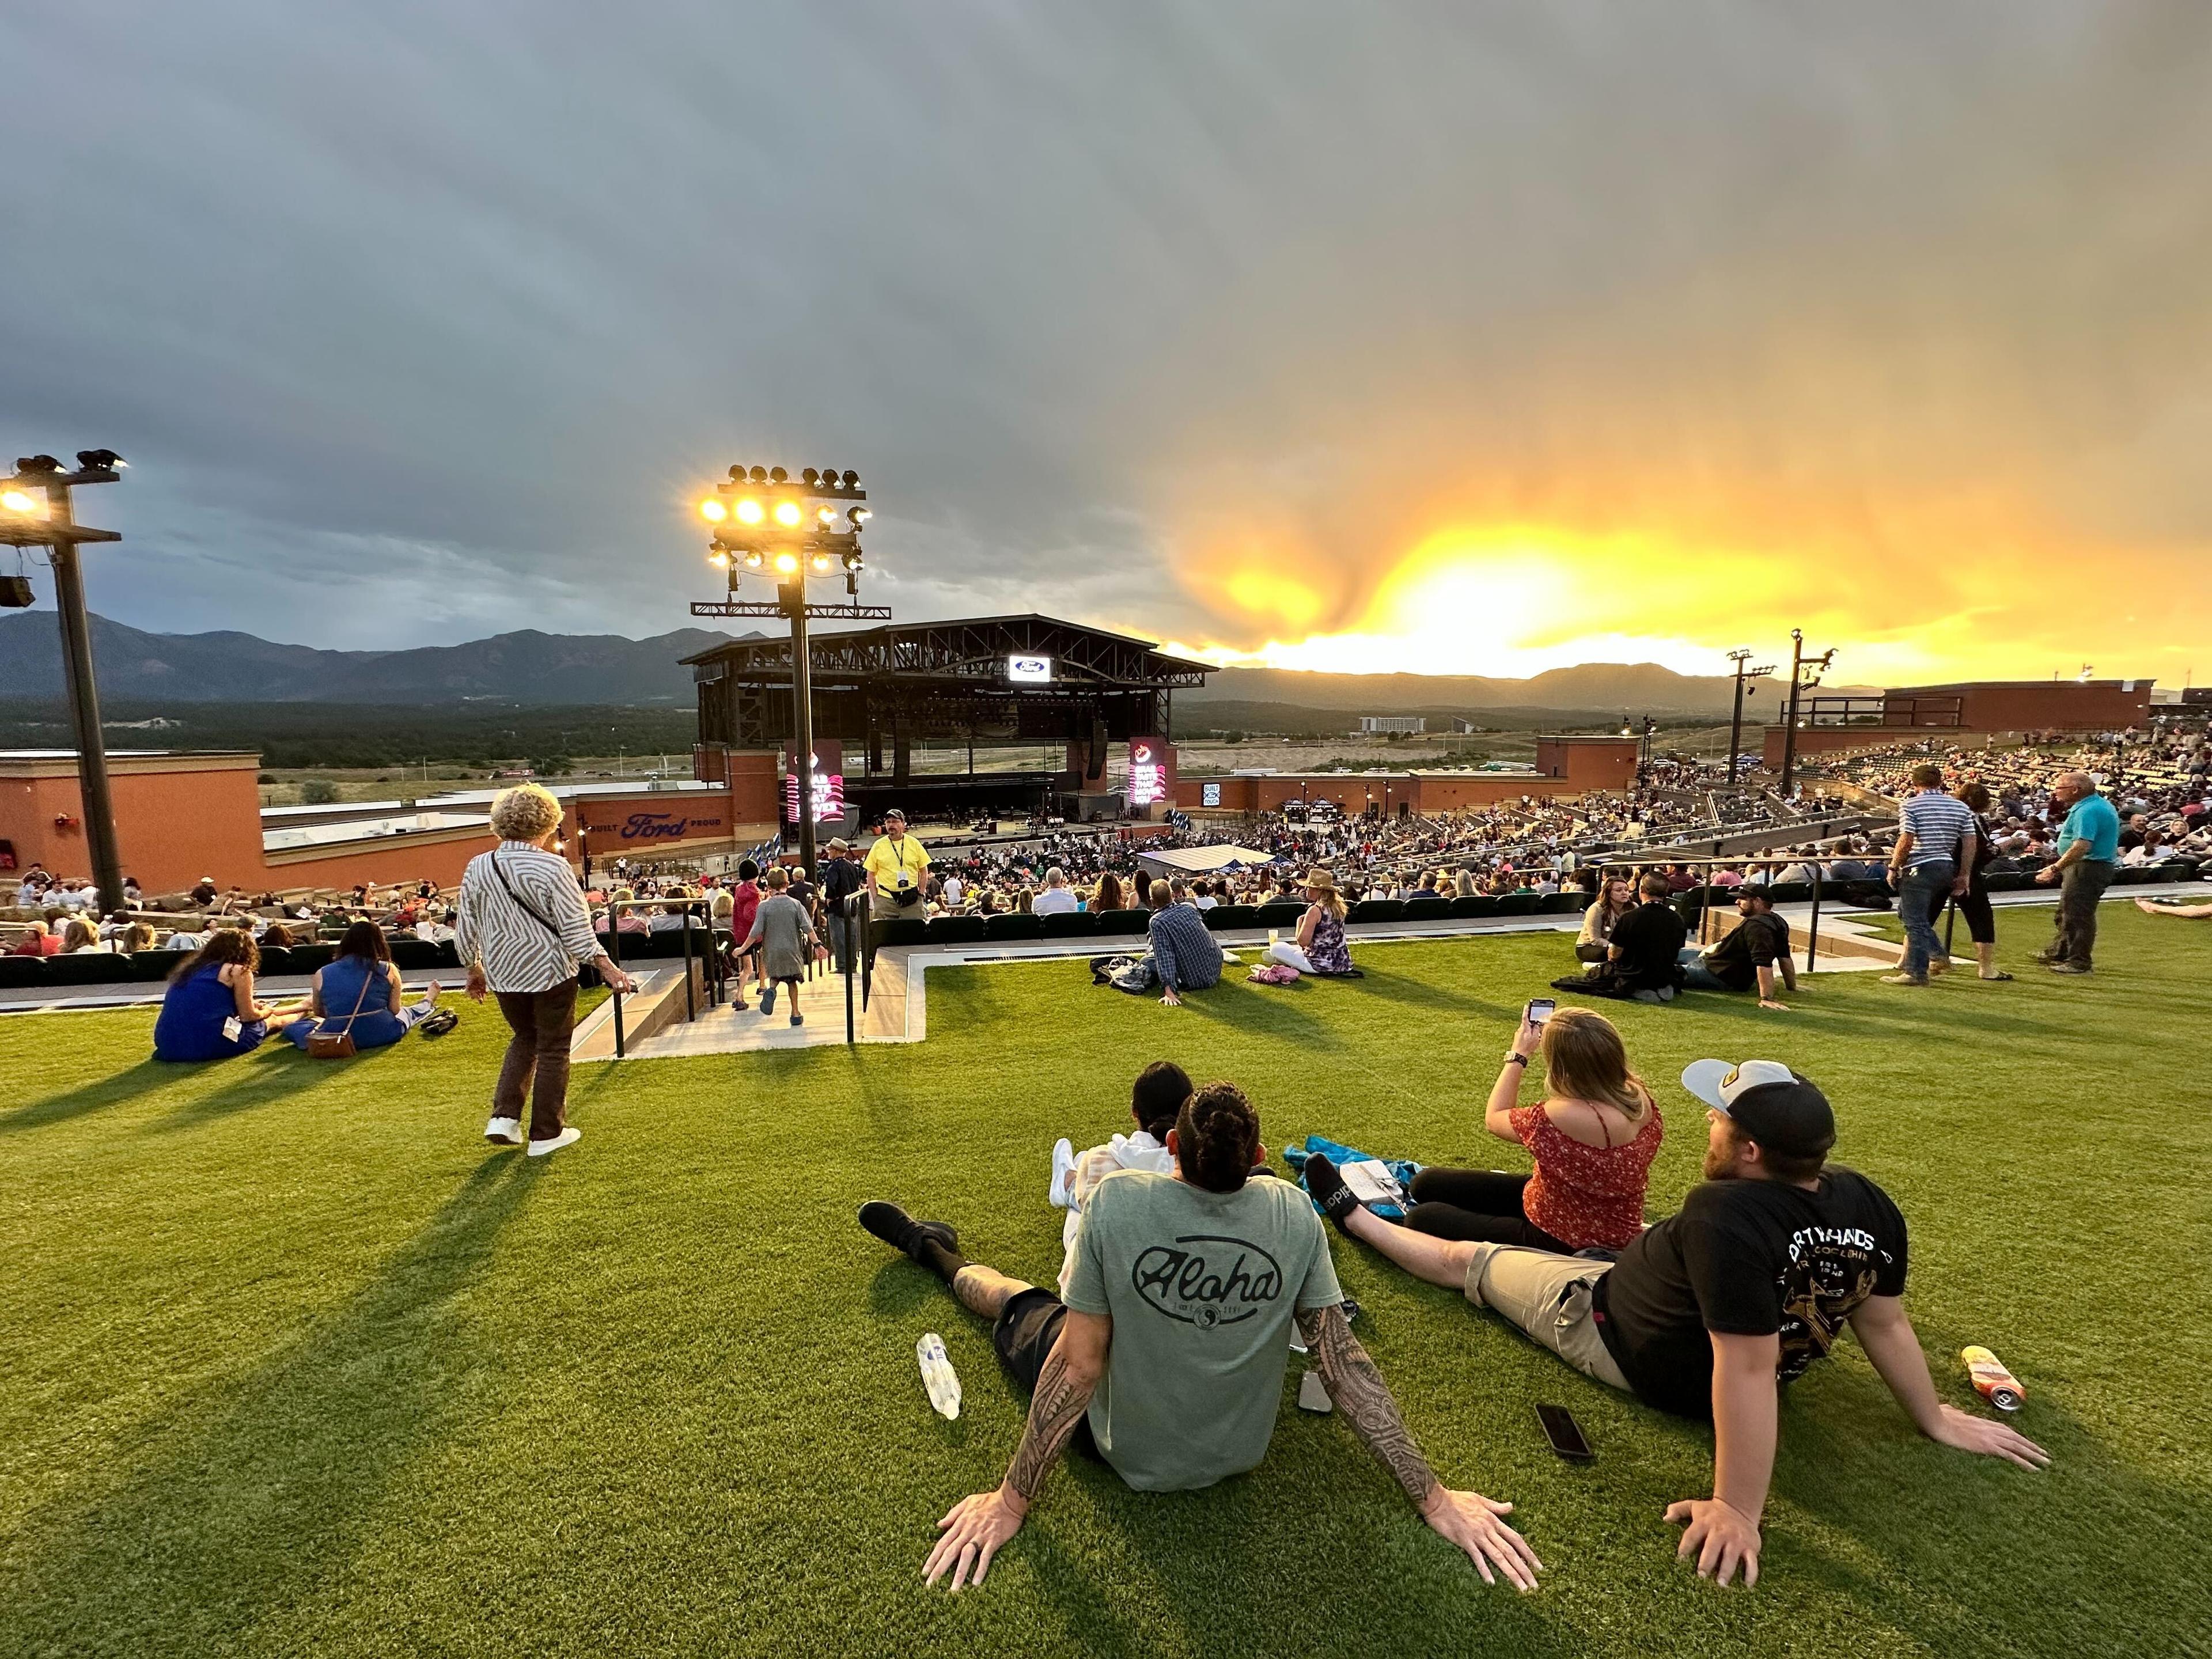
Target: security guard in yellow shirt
point(897, 865)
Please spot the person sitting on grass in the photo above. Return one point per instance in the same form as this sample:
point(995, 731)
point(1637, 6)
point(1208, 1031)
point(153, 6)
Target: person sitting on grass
point(1643, 957)
point(1320, 946)
point(1710, 1310)
point(1594, 942)
point(1166, 1359)
point(1155, 1101)
point(208, 1011)
point(357, 991)
point(1593, 1139)
point(1751, 953)
point(783, 934)
point(1180, 956)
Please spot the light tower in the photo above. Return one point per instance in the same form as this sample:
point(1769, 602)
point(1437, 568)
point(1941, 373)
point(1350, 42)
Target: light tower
point(766, 523)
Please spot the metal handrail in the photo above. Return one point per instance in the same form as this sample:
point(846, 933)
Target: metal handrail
point(690, 911)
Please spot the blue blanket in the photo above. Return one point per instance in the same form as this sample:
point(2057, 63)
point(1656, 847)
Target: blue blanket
point(1339, 1154)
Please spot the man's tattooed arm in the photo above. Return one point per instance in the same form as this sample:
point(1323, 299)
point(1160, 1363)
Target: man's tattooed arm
point(1358, 1391)
point(1063, 1394)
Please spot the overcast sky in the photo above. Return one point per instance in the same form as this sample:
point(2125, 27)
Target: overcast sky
point(1460, 335)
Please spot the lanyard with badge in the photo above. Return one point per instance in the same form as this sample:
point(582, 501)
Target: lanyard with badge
point(903, 880)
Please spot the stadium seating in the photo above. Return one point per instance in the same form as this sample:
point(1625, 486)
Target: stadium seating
point(1469, 907)
point(306, 958)
point(1013, 924)
point(1071, 924)
point(1223, 917)
point(900, 930)
point(1372, 910)
point(1279, 913)
point(1118, 923)
point(1434, 909)
point(1518, 904)
point(956, 930)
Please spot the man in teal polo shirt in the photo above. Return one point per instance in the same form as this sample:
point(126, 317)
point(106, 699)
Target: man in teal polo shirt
point(2088, 849)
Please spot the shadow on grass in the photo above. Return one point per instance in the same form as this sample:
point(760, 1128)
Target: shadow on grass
point(261, 1079)
point(1857, 1468)
point(1399, 988)
point(144, 1078)
point(245, 1498)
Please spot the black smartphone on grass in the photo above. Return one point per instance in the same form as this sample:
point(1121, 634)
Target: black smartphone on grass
point(1564, 1434)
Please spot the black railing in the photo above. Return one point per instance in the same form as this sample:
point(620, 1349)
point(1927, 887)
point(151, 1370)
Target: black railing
point(698, 919)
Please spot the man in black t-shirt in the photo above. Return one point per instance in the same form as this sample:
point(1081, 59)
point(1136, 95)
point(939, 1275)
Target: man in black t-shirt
point(1707, 1312)
point(1646, 945)
point(1752, 953)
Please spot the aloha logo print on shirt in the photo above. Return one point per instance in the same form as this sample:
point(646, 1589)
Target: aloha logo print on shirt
point(1205, 1279)
point(1832, 1271)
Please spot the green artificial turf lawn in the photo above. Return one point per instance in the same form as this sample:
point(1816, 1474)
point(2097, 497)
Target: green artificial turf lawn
point(294, 1365)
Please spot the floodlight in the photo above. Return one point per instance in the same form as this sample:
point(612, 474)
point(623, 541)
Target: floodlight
point(749, 511)
point(777, 475)
point(760, 474)
point(786, 562)
point(752, 561)
point(859, 515)
point(18, 501)
point(719, 560)
point(99, 460)
point(738, 474)
point(852, 480)
point(712, 510)
point(825, 516)
point(36, 466)
point(811, 477)
point(821, 561)
point(787, 513)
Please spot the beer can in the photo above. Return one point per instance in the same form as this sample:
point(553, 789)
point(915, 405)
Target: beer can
point(1995, 1384)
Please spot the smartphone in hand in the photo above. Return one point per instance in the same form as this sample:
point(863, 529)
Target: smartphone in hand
point(1540, 1009)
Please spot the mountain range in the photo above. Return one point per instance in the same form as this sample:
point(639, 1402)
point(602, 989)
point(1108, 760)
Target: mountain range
point(531, 667)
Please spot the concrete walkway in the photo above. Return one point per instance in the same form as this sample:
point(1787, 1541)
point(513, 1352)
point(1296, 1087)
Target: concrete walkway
point(898, 1005)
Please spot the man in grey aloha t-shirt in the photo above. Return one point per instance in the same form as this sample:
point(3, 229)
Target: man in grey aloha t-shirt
point(1167, 1356)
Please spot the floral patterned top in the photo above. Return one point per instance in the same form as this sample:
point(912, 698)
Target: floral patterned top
point(1329, 954)
point(1586, 1195)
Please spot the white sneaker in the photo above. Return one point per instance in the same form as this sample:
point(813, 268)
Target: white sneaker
point(504, 1131)
point(567, 1137)
point(1063, 1174)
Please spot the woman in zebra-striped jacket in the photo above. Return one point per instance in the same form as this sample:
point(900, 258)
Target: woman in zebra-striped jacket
point(520, 928)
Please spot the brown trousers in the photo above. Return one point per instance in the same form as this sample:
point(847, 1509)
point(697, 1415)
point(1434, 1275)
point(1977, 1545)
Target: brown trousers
point(537, 1062)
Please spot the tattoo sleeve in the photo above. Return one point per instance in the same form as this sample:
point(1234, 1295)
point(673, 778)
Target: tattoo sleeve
point(1358, 1391)
point(1055, 1410)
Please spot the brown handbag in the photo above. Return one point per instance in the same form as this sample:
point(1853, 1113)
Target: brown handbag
point(338, 1045)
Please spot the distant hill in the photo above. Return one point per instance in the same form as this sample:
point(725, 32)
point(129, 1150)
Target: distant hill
point(526, 667)
point(549, 669)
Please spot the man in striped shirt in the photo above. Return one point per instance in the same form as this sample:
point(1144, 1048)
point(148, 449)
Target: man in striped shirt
point(520, 928)
point(1934, 855)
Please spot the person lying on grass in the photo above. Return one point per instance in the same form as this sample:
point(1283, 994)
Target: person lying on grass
point(1708, 1311)
point(2168, 907)
point(1167, 1357)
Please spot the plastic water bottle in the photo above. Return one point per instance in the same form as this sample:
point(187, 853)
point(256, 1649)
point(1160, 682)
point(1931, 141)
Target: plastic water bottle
point(937, 1375)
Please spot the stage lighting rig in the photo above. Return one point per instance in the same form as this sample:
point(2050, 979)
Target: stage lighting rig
point(35, 511)
point(763, 522)
point(1739, 657)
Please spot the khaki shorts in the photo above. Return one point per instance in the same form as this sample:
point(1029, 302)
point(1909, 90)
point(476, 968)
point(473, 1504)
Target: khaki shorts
point(1548, 1296)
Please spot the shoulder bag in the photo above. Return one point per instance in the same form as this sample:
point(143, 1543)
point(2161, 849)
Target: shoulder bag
point(338, 1045)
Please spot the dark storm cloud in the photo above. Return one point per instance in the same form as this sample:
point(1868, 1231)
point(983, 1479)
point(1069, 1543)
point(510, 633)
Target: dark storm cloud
point(420, 320)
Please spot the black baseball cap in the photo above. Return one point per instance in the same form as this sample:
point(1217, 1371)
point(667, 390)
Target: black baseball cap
point(1777, 1107)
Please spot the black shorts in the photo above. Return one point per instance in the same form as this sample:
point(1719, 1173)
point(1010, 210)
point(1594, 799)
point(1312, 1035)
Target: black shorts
point(1028, 1327)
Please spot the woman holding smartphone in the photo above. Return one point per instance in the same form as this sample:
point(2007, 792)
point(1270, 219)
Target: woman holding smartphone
point(1593, 1138)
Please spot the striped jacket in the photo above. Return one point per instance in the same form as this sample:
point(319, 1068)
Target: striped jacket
point(518, 952)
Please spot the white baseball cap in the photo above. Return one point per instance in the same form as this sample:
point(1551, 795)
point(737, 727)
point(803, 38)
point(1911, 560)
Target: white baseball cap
point(1775, 1105)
